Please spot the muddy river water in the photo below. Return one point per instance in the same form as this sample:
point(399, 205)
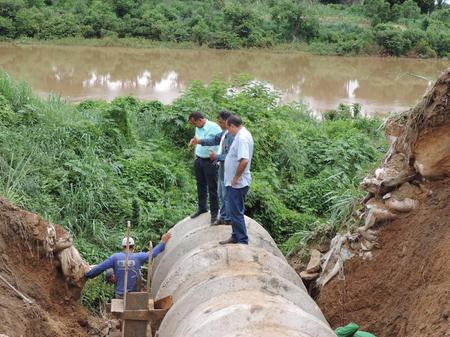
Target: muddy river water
point(77, 73)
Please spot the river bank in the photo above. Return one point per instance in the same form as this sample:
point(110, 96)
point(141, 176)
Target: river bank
point(142, 43)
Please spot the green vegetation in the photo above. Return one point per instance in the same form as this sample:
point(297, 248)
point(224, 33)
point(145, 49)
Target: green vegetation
point(416, 28)
point(92, 166)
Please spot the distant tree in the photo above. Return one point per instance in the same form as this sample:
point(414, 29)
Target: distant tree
point(200, 32)
point(101, 18)
point(426, 6)
point(29, 21)
point(60, 26)
point(378, 10)
point(410, 9)
point(124, 7)
point(391, 38)
point(240, 19)
point(9, 8)
point(292, 22)
point(6, 27)
point(440, 3)
point(153, 23)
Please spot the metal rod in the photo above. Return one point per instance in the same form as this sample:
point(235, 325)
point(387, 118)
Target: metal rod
point(150, 260)
point(125, 287)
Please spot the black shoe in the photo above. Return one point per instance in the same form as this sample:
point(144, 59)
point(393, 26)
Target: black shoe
point(229, 240)
point(227, 222)
point(196, 214)
point(217, 222)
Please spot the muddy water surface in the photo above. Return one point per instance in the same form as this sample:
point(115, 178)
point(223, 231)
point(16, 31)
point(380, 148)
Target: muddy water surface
point(77, 73)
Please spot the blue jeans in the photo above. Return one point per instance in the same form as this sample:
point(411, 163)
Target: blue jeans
point(222, 191)
point(236, 208)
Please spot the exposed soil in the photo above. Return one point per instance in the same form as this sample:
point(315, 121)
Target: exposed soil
point(404, 291)
point(56, 309)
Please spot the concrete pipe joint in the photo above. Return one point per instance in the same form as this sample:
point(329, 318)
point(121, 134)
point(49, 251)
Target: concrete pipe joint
point(231, 290)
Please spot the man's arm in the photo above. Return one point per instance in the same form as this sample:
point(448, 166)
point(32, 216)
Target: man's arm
point(211, 141)
point(244, 158)
point(240, 169)
point(143, 257)
point(100, 268)
point(156, 250)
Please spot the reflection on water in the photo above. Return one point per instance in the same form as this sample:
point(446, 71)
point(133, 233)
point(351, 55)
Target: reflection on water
point(351, 87)
point(378, 84)
point(96, 81)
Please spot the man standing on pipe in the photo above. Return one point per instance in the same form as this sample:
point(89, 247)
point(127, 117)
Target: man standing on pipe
point(224, 140)
point(117, 263)
point(205, 168)
point(237, 178)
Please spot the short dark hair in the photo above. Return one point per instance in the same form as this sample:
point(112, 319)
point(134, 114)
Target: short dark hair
point(196, 115)
point(224, 114)
point(234, 120)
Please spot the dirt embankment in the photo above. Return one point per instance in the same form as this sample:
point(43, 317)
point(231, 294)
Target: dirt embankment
point(28, 265)
point(402, 287)
point(404, 291)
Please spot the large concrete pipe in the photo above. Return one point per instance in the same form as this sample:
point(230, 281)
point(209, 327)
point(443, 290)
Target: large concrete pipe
point(232, 290)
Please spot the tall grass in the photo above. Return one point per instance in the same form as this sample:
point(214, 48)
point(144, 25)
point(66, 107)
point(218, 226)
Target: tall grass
point(92, 166)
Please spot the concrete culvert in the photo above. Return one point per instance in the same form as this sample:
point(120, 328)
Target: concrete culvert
point(232, 290)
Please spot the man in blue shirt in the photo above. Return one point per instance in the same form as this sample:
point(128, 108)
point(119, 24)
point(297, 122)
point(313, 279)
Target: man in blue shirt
point(237, 178)
point(205, 168)
point(224, 140)
point(135, 262)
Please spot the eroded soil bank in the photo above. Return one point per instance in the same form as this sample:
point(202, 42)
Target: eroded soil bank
point(28, 266)
point(404, 291)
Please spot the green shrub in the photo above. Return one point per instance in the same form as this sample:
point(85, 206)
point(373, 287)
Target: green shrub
point(7, 27)
point(378, 10)
point(29, 21)
point(410, 10)
point(7, 114)
point(439, 39)
point(60, 26)
point(391, 38)
point(224, 40)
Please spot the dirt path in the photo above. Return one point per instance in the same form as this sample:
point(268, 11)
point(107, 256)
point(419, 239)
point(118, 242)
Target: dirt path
point(404, 291)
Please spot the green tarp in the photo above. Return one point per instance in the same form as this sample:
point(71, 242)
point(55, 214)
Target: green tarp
point(351, 330)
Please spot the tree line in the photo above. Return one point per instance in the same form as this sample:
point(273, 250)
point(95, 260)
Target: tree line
point(395, 27)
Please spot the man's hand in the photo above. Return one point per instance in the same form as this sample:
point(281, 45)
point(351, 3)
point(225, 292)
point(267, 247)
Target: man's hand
point(165, 238)
point(86, 267)
point(212, 155)
point(234, 181)
point(194, 141)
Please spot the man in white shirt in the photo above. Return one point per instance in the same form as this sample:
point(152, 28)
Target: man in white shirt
point(237, 178)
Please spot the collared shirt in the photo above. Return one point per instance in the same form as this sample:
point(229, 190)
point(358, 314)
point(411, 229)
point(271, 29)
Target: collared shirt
point(241, 148)
point(224, 139)
point(209, 129)
point(117, 263)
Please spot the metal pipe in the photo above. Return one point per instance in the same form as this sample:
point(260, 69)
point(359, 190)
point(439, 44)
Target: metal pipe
point(232, 290)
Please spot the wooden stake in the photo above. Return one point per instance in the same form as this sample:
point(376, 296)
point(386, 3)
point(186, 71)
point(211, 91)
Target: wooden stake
point(125, 287)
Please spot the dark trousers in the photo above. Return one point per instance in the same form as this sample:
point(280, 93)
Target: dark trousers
point(206, 176)
point(235, 210)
